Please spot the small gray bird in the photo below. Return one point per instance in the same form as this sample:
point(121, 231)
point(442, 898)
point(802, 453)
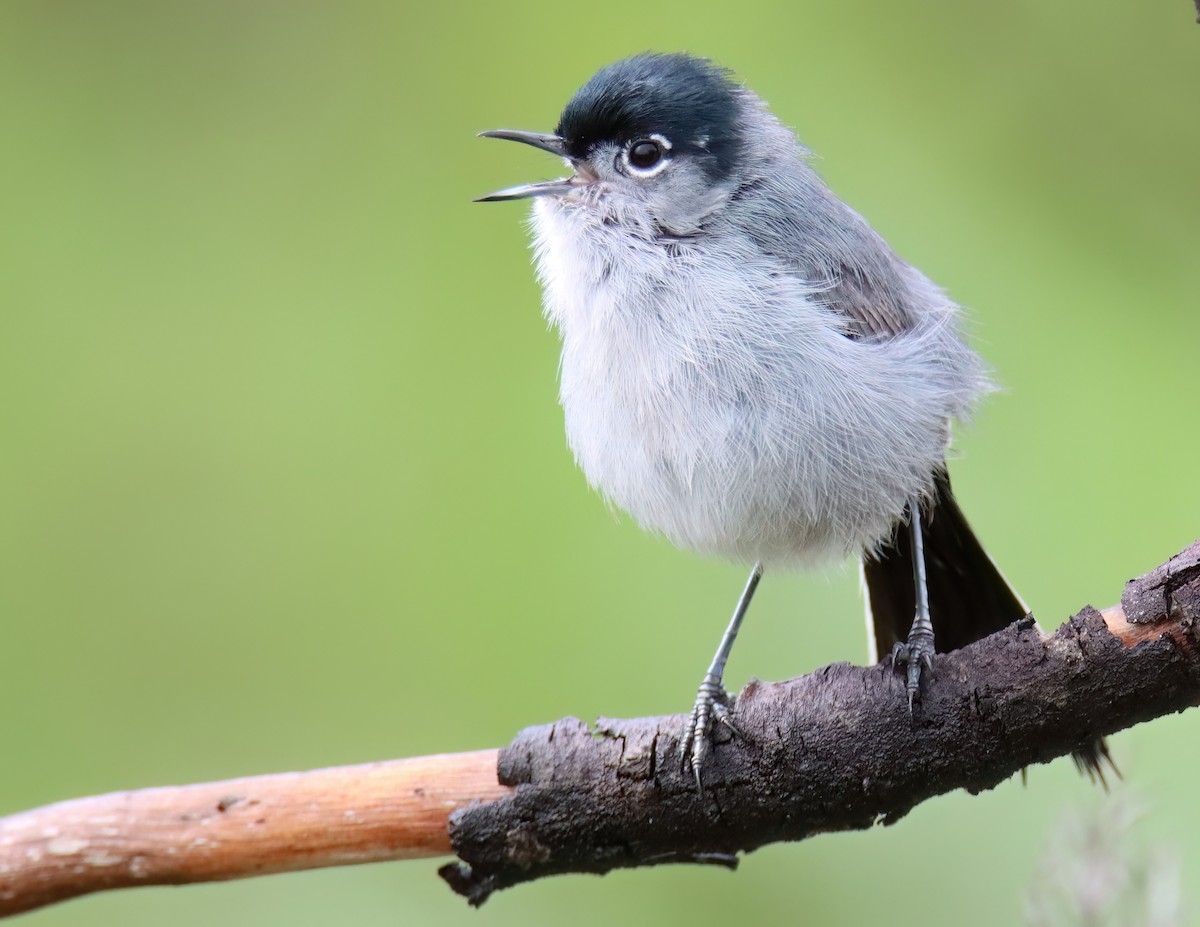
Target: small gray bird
point(747, 367)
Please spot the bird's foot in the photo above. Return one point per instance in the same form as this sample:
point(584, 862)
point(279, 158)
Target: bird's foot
point(916, 655)
point(713, 706)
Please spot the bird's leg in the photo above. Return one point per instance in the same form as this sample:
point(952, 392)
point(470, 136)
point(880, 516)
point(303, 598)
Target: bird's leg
point(712, 701)
point(917, 652)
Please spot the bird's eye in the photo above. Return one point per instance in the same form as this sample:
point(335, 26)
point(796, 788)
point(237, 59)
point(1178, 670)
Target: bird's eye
point(647, 156)
point(644, 154)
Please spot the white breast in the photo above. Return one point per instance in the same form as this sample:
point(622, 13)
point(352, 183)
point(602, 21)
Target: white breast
point(713, 397)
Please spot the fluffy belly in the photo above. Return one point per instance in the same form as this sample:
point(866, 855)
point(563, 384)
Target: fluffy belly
point(720, 403)
point(752, 465)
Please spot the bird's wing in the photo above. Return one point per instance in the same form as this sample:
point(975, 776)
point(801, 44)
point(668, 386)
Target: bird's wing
point(829, 245)
point(870, 310)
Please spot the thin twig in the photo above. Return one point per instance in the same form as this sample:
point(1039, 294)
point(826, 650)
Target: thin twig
point(237, 828)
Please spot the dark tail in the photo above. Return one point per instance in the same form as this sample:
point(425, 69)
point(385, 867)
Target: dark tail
point(968, 598)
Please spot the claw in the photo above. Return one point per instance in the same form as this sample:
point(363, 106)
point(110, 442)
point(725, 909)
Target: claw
point(723, 715)
point(712, 701)
point(710, 709)
point(916, 655)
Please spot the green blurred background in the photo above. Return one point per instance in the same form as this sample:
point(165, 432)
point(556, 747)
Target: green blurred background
point(283, 481)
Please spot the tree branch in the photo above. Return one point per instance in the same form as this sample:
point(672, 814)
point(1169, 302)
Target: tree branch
point(237, 828)
point(834, 750)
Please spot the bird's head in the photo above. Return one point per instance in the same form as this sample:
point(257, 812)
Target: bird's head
point(656, 138)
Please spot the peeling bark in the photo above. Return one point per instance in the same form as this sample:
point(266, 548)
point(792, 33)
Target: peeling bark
point(834, 750)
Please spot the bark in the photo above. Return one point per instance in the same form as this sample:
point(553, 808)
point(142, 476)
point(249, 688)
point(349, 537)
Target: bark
point(834, 750)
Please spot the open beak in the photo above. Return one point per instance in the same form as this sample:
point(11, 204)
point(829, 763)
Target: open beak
point(540, 140)
point(543, 142)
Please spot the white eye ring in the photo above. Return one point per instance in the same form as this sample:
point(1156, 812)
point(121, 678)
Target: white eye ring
point(659, 165)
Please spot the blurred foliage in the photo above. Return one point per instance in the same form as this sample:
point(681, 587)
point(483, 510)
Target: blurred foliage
point(284, 483)
point(1095, 873)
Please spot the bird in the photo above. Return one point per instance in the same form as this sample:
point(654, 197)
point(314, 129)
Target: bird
point(749, 369)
